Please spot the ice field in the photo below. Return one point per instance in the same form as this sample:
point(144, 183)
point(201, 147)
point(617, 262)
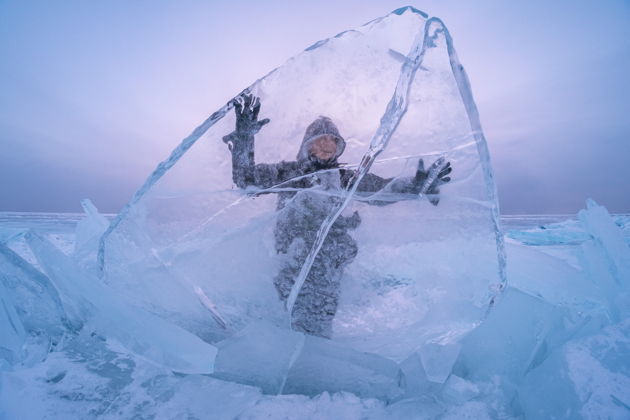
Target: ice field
point(556, 344)
point(243, 282)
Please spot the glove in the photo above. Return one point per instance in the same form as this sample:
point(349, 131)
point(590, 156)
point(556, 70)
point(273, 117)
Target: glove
point(241, 141)
point(247, 108)
point(353, 221)
point(428, 181)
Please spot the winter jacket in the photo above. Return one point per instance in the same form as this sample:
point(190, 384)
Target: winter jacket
point(308, 190)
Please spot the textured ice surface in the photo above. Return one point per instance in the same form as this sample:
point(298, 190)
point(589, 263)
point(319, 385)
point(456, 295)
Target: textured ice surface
point(555, 229)
point(94, 377)
point(197, 251)
point(607, 235)
point(282, 361)
point(33, 293)
point(33, 319)
point(12, 333)
point(606, 257)
point(516, 330)
point(551, 278)
point(86, 299)
point(438, 359)
point(579, 370)
point(260, 355)
point(586, 378)
point(322, 366)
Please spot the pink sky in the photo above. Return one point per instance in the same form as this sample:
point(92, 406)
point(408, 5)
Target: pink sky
point(94, 95)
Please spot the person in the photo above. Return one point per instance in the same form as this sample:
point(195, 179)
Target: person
point(308, 189)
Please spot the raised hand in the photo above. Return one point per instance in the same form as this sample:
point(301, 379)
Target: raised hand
point(247, 108)
point(428, 181)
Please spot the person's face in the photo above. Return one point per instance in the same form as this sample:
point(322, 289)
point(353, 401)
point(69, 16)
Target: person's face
point(324, 148)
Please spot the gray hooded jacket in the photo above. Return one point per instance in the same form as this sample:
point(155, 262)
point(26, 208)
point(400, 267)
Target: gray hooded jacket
point(308, 190)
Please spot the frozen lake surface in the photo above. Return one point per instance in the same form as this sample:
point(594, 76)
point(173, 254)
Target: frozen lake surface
point(555, 344)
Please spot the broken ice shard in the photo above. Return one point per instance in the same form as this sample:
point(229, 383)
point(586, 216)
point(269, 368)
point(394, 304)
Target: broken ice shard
point(322, 366)
point(588, 377)
point(35, 297)
point(508, 342)
point(282, 361)
point(88, 232)
point(85, 298)
point(606, 257)
point(260, 355)
point(193, 248)
point(12, 333)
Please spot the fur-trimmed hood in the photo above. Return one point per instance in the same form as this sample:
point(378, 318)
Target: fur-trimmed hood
point(323, 126)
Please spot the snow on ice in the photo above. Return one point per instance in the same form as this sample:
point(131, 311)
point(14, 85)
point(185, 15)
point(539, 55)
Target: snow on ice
point(386, 296)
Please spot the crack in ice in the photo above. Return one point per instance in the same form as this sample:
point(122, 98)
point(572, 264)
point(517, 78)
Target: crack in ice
point(389, 122)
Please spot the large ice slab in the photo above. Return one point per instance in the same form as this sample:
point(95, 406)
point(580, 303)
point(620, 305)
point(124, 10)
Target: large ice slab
point(603, 229)
point(88, 233)
point(197, 251)
point(508, 343)
point(86, 299)
point(261, 355)
point(323, 366)
point(577, 370)
point(586, 378)
point(12, 333)
point(32, 305)
point(278, 361)
point(37, 299)
point(606, 259)
point(552, 279)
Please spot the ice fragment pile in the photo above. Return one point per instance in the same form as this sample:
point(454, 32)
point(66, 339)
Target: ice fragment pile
point(555, 345)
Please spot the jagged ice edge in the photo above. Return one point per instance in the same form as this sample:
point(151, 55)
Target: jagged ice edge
point(471, 109)
point(389, 122)
point(189, 141)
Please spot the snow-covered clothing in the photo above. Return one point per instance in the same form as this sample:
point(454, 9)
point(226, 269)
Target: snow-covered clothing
point(310, 190)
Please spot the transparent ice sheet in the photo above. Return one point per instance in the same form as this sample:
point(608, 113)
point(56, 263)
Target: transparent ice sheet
point(194, 249)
